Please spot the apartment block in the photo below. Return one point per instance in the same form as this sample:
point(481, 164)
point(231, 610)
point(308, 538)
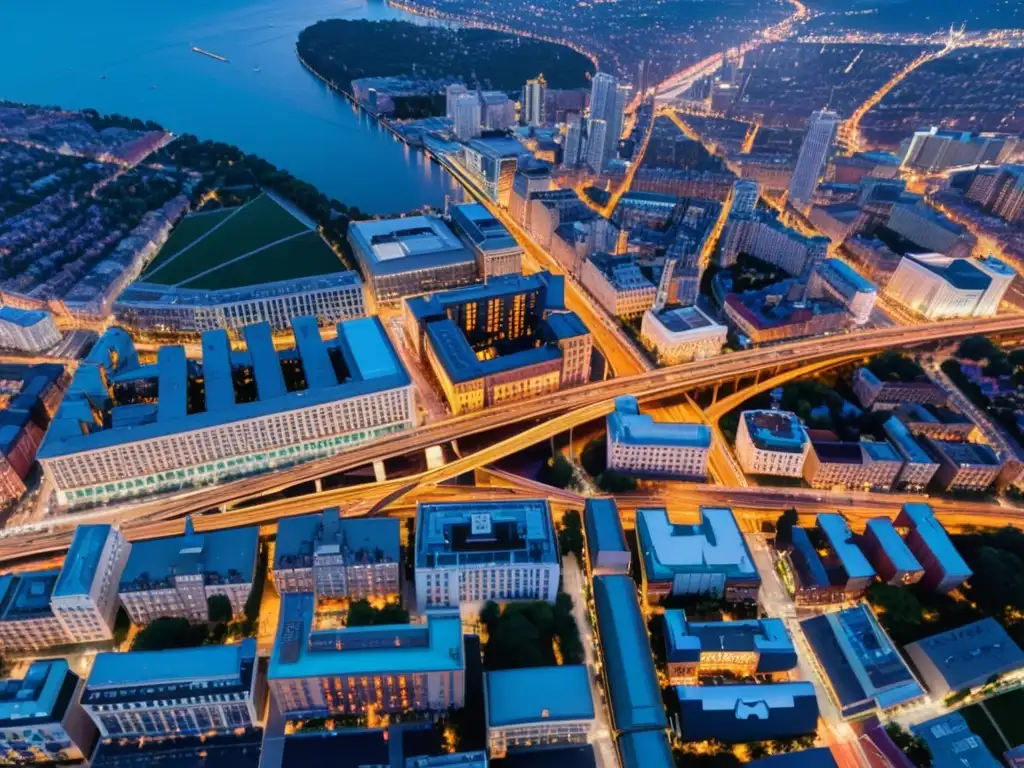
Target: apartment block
point(638, 444)
point(918, 466)
point(963, 466)
point(944, 568)
point(843, 559)
point(497, 252)
point(939, 287)
point(864, 466)
point(84, 599)
point(617, 284)
point(27, 622)
point(771, 443)
point(889, 554)
point(880, 395)
point(606, 547)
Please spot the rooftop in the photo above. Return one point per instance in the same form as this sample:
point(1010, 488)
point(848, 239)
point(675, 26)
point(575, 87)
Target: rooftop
point(645, 749)
point(740, 712)
point(603, 526)
point(807, 561)
point(775, 431)
point(172, 666)
point(908, 446)
point(714, 545)
point(686, 640)
point(970, 655)
point(164, 296)
point(892, 543)
point(498, 147)
point(967, 454)
point(24, 318)
point(41, 696)
point(461, 363)
point(840, 539)
point(683, 319)
point(26, 595)
point(82, 561)
point(519, 696)
point(952, 744)
point(621, 272)
point(551, 289)
point(362, 541)
point(391, 246)
point(485, 231)
point(921, 517)
point(844, 271)
point(936, 217)
point(627, 425)
point(959, 273)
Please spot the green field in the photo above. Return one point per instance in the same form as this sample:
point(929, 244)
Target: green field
point(189, 229)
point(302, 256)
point(1006, 711)
point(256, 225)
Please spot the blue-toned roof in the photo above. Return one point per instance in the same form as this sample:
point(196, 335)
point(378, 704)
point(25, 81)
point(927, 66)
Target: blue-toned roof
point(970, 655)
point(816, 757)
point(219, 384)
point(952, 744)
point(960, 273)
point(173, 383)
point(367, 350)
point(747, 712)
point(636, 702)
point(714, 545)
point(143, 294)
point(899, 434)
point(682, 319)
point(847, 272)
point(393, 246)
point(177, 665)
point(225, 556)
point(315, 362)
point(265, 361)
point(840, 539)
point(896, 550)
point(461, 363)
point(880, 450)
point(41, 696)
point(24, 318)
point(645, 749)
point(82, 561)
point(627, 425)
point(603, 526)
point(775, 430)
point(295, 537)
point(807, 561)
point(686, 640)
point(565, 325)
point(518, 696)
point(498, 147)
point(26, 595)
point(485, 231)
point(922, 518)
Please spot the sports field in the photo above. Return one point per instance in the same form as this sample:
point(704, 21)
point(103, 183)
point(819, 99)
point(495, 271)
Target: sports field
point(188, 230)
point(301, 256)
point(1006, 710)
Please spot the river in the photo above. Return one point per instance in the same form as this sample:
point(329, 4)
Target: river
point(135, 58)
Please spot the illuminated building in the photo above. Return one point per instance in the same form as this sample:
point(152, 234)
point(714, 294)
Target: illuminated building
point(682, 334)
point(737, 712)
point(952, 744)
point(391, 668)
point(607, 107)
point(837, 281)
point(704, 185)
point(814, 151)
point(41, 721)
point(745, 194)
point(29, 394)
point(710, 558)
point(497, 252)
point(1000, 192)
point(126, 429)
point(963, 466)
point(783, 311)
point(597, 131)
point(472, 552)
point(865, 465)
point(177, 576)
point(476, 759)
point(934, 149)
point(741, 648)
point(965, 658)
point(537, 707)
point(865, 673)
point(492, 164)
point(931, 230)
point(85, 596)
point(452, 93)
point(527, 181)
point(27, 622)
point(918, 467)
point(406, 256)
point(771, 443)
point(617, 284)
point(185, 691)
point(27, 330)
point(607, 551)
point(939, 287)
point(762, 236)
point(723, 95)
point(466, 116)
point(772, 171)
point(574, 142)
point(636, 444)
point(846, 564)
point(944, 568)
point(889, 554)
point(337, 557)
point(811, 582)
point(880, 395)
point(645, 749)
point(534, 106)
point(498, 111)
point(937, 421)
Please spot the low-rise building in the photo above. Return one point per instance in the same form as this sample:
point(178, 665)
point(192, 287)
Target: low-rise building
point(944, 568)
point(867, 465)
point(472, 552)
point(771, 443)
point(390, 669)
point(27, 622)
point(41, 721)
point(891, 557)
point(880, 395)
point(27, 330)
point(965, 658)
point(843, 559)
point(181, 692)
point(952, 744)
point(837, 281)
point(741, 648)
point(931, 230)
point(937, 422)
point(739, 713)
point(708, 558)
point(617, 284)
point(682, 334)
point(606, 547)
point(497, 252)
point(638, 444)
point(963, 466)
point(85, 597)
point(918, 467)
point(939, 287)
point(334, 557)
point(537, 707)
point(810, 582)
point(783, 311)
point(762, 236)
point(177, 575)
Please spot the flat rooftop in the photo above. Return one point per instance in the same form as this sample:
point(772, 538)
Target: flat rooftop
point(959, 273)
point(604, 526)
point(183, 666)
point(970, 655)
point(844, 271)
point(151, 295)
point(967, 454)
point(41, 696)
point(686, 640)
point(952, 744)
point(840, 539)
point(683, 319)
point(392, 246)
point(892, 543)
point(82, 561)
point(25, 318)
point(775, 431)
point(713, 545)
point(483, 230)
point(921, 517)
point(908, 446)
point(549, 694)
point(461, 363)
point(26, 595)
point(365, 541)
point(627, 425)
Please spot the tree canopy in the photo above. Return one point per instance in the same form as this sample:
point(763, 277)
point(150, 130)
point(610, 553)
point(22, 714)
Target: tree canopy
point(362, 614)
point(218, 608)
point(165, 633)
point(570, 534)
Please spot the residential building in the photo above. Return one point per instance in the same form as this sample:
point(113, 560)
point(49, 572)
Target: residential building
point(408, 256)
point(452, 93)
point(596, 146)
point(534, 101)
point(176, 576)
point(944, 568)
point(573, 147)
point(865, 674)
point(390, 669)
point(762, 236)
point(27, 330)
point(607, 107)
point(639, 445)
point(27, 622)
point(863, 466)
point(934, 150)
point(466, 116)
point(527, 181)
point(843, 560)
point(212, 689)
point(737, 713)
point(710, 558)
point(937, 422)
point(837, 281)
point(682, 334)
point(952, 744)
point(811, 582)
point(892, 559)
point(931, 230)
point(880, 395)
point(703, 185)
point(771, 443)
point(963, 466)
point(472, 552)
point(84, 599)
point(492, 164)
point(125, 429)
point(745, 194)
point(741, 648)
point(1007, 201)
point(918, 467)
point(497, 252)
point(810, 163)
point(30, 394)
point(966, 658)
point(171, 309)
point(838, 221)
point(41, 721)
point(498, 111)
point(782, 311)
point(337, 557)
point(939, 287)
point(618, 284)
point(606, 547)
point(537, 707)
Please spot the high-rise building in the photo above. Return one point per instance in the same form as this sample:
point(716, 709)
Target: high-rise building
point(643, 77)
point(534, 96)
point(596, 153)
point(466, 116)
point(85, 597)
point(452, 93)
point(939, 287)
point(574, 142)
point(498, 111)
point(934, 149)
point(813, 153)
point(607, 104)
point(745, 194)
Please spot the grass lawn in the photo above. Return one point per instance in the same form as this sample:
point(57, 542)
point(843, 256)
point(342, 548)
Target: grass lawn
point(1007, 710)
point(301, 256)
point(189, 229)
point(982, 727)
point(260, 222)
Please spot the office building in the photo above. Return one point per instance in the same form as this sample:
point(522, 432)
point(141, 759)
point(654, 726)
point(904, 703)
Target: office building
point(41, 721)
point(952, 744)
point(213, 689)
point(810, 163)
point(335, 557)
point(862, 466)
point(537, 707)
point(466, 116)
point(771, 443)
point(472, 552)
point(171, 309)
point(618, 284)
point(639, 445)
point(843, 560)
point(607, 551)
point(939, 287)
point(838, 221)
point(27, 330)
point(390, 669)
point(782, 311)
point(125, 429)
point(498, 111)
point(745, 194)
point(944, 568)
point(496, 251)
point(965, 658)
point(534, 101)
point(85, 597)
point(527, 181)
point(682, 334)
point(835, 280)
point(596, 145)
point(963, 466)
point(933, 150)
point(880, 395)
point(492, 163)
point(176, 576)
point(452, 93)
point(607, 106)
point(411, 255)
point(892, 559)
point(762, 236)
point(742, 648)
point(710, 558)
point(865, 674)
point(27, 622)
point(573, 147)
point(737, 713)
point(918, 466)
point(931, 230)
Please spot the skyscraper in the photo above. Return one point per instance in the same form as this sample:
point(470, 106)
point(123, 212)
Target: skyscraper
point(452, 93)
point(466, 116)
point(498, 111)
point(809, 165)
point(597, 131)
point(643, 73)
point(607, 104)
point(573, 142)
point(534, 94)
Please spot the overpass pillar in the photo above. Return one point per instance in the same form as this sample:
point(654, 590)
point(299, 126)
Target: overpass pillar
point(318, 483)
point(378, 471)
point(714, 394)
point(757, 377)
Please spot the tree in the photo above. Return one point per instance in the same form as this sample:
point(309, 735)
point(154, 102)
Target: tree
point(613, 481)
point(784, 528)
point(122, 625)
point(490, 615)
point(912, 746)
point(570, 535)
point(557, 472)
point(218, 609)
point(594, 457)
point(166, 633)
point(362, 614)
point(895, 366)
point(898, 609)
point(976, 348)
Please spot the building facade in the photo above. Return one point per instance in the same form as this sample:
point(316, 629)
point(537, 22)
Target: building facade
point(867, 466)
point(617, 284)
point(939, 287)
point(606, 548)
point(27, 622)
point(762, 236)
point(636, 444)
point(963, 466)
point(880, 395)
point(918, 466)
point(810, 163)
point(944, 568)
point(85, 597)
point(890, 556)
point(682, 334)
point(27, 330)
point(497, 252)
point(771, 443)
point(931, 230)
point(836, 280)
